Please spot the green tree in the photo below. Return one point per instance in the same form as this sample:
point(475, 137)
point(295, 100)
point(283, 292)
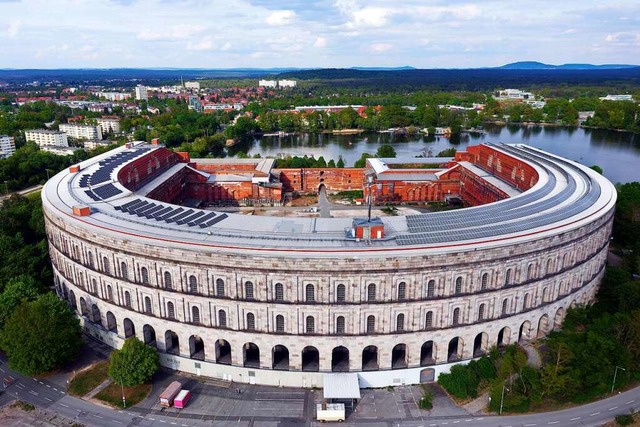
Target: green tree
point(16, 291)
point(41, 335)
point(386, 151)
point(135, 363)
point(340, 163)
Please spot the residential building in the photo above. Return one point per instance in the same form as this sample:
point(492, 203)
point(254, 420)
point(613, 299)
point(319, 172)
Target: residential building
point(287, 83)
point(268, 83)
point(45, 138)
point(617, 98)
point(109, 124)
point(141, 93)
point(192, 85)
point(7, 146)
point(113, 96)
point(92, 144)
point(81, 131)
point(60, 151)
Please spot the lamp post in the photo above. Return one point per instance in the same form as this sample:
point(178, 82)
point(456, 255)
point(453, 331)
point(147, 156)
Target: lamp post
point(615, 373)
point(6, 189)
point(504, 387)
point(124, 400)
point(47, 174)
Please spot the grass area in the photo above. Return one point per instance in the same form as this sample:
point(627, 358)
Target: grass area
point(112, 395)
point(87, 380)
point(25, 406)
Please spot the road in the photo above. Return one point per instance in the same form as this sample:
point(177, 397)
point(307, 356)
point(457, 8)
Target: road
point(47, 396)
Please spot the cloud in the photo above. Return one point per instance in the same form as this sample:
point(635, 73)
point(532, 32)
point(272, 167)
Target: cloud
point(177, 32)
point(14, 29)
point(205, 43)
point(381, 47)
point(623, 38)
point(280, 17)
point(320, 42)
point(371, 16)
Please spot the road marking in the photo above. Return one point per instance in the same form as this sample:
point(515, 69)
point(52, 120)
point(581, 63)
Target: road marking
point(528, 425)
point(41, 382)
point(34, 379)
point(594, 414)
point(456, 422)
point(612, 408)
point(152, 419)
point(48, 386)
point(162, 421)
point(468, 419)
point(553, 422)
point(575, 419)
point(173, 423)
point(630, 402)
point(35, 393)
point(55, 389)
point(48, 399)
point(98, 416)
point(20, 386)
point(62, 404)
point(116, 421)
point(1, 369)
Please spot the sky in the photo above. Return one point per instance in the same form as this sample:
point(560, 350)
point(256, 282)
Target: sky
point(311, 33)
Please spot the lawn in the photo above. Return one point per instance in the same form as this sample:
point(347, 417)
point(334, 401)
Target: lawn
point(87, 380)
point(113, 394)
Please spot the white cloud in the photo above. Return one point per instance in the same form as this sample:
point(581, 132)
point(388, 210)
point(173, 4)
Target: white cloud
point(205, 43)
point(320, 42)
point(381, 47)
point(371, 16)
point(177, 32)
point(280, 17)
point(623, 38)
point(14, 29)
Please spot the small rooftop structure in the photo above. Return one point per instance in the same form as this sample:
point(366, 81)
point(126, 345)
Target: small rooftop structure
point(341, 386)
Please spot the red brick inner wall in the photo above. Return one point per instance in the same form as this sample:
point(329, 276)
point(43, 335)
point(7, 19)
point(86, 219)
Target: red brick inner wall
point(508, 168)
point(137, 173)
point(308, 180)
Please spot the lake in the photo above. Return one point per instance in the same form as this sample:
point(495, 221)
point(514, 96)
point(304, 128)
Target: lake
point(617, 153)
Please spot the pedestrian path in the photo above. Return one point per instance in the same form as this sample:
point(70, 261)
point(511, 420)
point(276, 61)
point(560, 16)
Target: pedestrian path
point(104, 384)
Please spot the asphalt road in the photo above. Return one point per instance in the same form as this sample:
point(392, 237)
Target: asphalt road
point(47, 396)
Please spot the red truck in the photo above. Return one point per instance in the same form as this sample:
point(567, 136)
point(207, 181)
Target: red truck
point(170, 393)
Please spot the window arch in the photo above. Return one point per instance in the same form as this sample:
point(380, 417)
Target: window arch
point(484, 282)
point(109, 293)
point(248, 290)
point(279, 296)
point(340, 293)
point(371, 324)
point(371, 292)
point(431, 288)
point(549, 267)
point(127, 299)
point(507, 277)
point(402, 291)
point(147, 305)
point(400, 322)
point(458, 288)
point(195, 314)
point(340, 325)
point(280, 323)
point(193, 284)
point(526, 301)
point(310, 325)
point(94, 286)
point(456, 317)
point(105, 265)
point(124, 271)
point(505, 307)
point(168, 282)
point(90, 260)
point(144, 273)
point(428, 323)
point(545, 291)
point(530, 272)
point(171, 310)
point(310, 293)
point(219, 287)
point(481, 312)
point(222, 318)
point(251, 322)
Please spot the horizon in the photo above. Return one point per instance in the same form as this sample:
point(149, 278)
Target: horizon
point(261, 34)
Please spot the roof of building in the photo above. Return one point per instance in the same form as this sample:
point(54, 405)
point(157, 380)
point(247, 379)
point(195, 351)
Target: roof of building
point(341, 386)
point(567, 195)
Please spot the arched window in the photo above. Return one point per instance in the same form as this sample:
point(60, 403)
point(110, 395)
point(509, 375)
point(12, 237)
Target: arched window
point(428, 324)
point(458, 289)
point(145, 275)
point(400, 322)
point(340, 325)
point(105, 265)
point(507, 277)
point(193, 284)
point(94, 286)
point(530, 272)
point(310, 325)
point(222, 318)
point(481, 312)
point(456, 317)
point(340, 293)
point(545, 291)
point(549, 267)
point(526, 301)
point(127, 299)
point(505, 307)
point(147, 305)
point(248, 290)
point(371, 324)
point(484, 282)
point(279, 292)
point(90, 260)
point(279, 323)
point(371, 292)
point(219, 287)
point(168, 282)
point(310, 293)
point(251, 322)
point(171, 311)
point(124, 272)
point(195, 314)
point(109, 293)
point(402, 291)
point(431, 288)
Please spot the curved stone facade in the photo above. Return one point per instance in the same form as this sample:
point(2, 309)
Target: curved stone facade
point(266, 315)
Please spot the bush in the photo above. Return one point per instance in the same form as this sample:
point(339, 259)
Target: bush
point(624, 419)
point(462, 382)
point(426, 402)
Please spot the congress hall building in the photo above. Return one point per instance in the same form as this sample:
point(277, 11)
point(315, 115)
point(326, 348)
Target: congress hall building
point(140, 247)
